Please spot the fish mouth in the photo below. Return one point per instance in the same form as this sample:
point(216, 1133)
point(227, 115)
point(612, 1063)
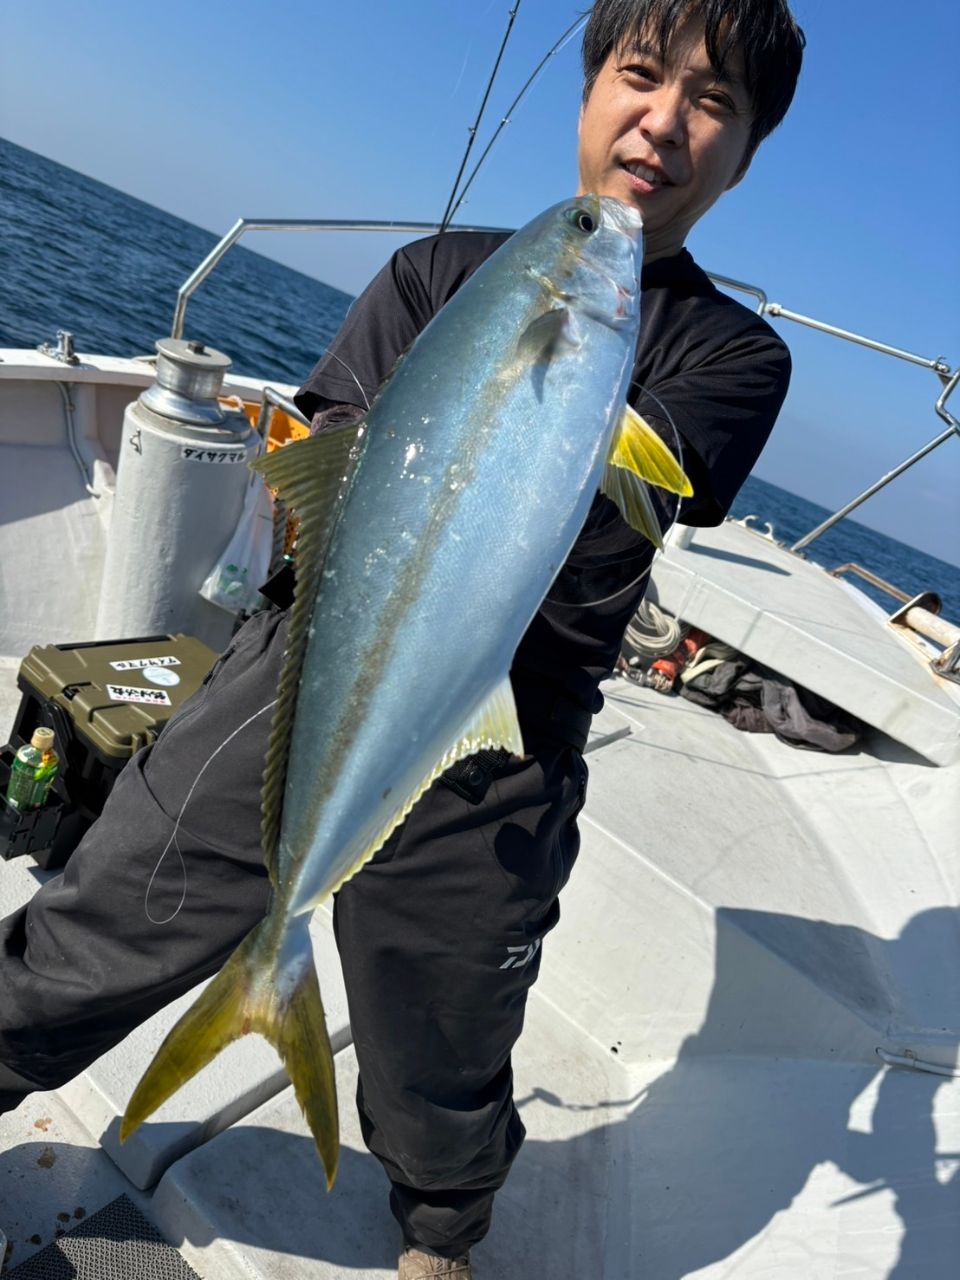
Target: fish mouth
point(625, 219)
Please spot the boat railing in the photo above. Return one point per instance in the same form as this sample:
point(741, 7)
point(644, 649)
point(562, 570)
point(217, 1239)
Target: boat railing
point(938, 365)
point(919, 613)
point(874, 579)
point(243, 225)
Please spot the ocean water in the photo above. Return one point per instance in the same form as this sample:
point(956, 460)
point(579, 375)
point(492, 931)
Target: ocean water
point(902, 566)
point(76, 254)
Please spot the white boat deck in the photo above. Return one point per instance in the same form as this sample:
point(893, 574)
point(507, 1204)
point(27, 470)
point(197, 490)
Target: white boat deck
point(698, 1076)
point(744, 589)
point(746, 927)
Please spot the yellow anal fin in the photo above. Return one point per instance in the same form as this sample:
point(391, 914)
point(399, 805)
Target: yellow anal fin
point(312, 476)
point(493, 724)
point(239, 1001)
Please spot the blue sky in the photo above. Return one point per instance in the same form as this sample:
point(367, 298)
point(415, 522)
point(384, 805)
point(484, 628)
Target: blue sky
point(361, 110)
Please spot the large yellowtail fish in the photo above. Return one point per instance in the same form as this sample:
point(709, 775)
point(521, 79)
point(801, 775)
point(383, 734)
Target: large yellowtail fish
point(429, 536)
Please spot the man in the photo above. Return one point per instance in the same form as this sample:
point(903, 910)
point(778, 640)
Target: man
point(678, 94)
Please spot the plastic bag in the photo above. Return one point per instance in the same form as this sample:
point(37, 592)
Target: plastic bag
point(241, 569)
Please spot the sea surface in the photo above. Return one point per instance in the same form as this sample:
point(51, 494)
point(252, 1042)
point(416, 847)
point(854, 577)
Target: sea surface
point(76, 254)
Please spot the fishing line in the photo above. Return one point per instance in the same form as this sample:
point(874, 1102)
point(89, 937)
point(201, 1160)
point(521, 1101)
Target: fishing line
point(476, 124)
point(366, 402)
point(591, 604)
point(176, 826)
point(560, 44)
point(678, 442)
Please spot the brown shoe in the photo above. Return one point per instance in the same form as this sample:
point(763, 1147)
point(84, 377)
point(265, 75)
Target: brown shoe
point(416, 1265)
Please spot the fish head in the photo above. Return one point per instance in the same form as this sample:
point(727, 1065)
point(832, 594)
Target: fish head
point(589, 259)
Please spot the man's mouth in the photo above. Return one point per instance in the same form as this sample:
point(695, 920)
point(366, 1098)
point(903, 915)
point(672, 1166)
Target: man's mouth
point(652, 177)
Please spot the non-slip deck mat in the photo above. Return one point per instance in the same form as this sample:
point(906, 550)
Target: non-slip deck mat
point(115, 1243)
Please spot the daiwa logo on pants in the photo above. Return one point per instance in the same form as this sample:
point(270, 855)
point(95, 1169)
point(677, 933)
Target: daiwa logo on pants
point(521, 956)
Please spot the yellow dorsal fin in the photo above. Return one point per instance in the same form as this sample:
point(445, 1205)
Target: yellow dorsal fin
point(639, 457)
point(493, 724)
point(312, 476)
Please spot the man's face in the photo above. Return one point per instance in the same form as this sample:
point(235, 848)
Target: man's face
point(668, 137)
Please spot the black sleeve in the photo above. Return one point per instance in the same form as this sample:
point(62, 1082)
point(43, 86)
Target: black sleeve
point(724, 410)
point(379, 327)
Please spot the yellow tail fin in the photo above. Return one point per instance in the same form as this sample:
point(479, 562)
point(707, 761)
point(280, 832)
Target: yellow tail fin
point(639, 457)
point(243, 997)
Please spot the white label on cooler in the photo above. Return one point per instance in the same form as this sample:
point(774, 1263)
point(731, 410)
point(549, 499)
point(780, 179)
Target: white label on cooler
point(128, 693)
point(138, 664)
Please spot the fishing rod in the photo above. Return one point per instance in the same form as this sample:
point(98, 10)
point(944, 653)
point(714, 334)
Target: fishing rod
point(560, 44)
point(472, 131)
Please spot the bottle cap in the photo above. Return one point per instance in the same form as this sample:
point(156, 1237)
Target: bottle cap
point(42, 739)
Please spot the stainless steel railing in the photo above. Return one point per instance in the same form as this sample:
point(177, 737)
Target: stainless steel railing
point(868, 576)
point(938, 365)
point(243, 225)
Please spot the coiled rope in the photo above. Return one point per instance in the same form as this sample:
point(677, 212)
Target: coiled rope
point(652, 632)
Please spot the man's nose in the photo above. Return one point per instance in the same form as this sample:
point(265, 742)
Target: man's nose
point(664, 121)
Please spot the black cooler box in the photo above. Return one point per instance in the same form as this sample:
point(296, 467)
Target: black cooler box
point(104, 701)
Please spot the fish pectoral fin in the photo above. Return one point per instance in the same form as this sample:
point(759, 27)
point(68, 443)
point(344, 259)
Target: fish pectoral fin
point(493, 724)
point(237, 1001)
point(639, 457)
point(312, 475)
point(549, 335)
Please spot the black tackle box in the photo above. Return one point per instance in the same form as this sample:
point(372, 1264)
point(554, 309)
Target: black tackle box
point(104, 701)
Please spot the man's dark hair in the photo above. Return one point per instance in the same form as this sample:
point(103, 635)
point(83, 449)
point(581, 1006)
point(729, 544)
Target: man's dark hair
point(763, 31)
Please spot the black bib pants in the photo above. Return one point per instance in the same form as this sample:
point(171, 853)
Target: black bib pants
point(436, 995)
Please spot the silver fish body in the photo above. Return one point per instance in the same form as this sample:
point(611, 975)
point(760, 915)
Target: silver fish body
point(429, 539)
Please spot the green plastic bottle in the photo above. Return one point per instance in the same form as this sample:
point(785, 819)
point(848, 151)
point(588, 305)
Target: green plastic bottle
point(32, 772)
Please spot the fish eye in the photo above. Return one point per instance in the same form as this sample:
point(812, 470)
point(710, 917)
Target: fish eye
point(582, 220)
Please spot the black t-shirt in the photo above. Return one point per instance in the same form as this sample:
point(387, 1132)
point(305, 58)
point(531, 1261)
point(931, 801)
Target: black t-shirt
point(718, 369)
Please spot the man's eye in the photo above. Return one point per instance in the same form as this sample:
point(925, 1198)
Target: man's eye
point(641, 70)
point(720, 100)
